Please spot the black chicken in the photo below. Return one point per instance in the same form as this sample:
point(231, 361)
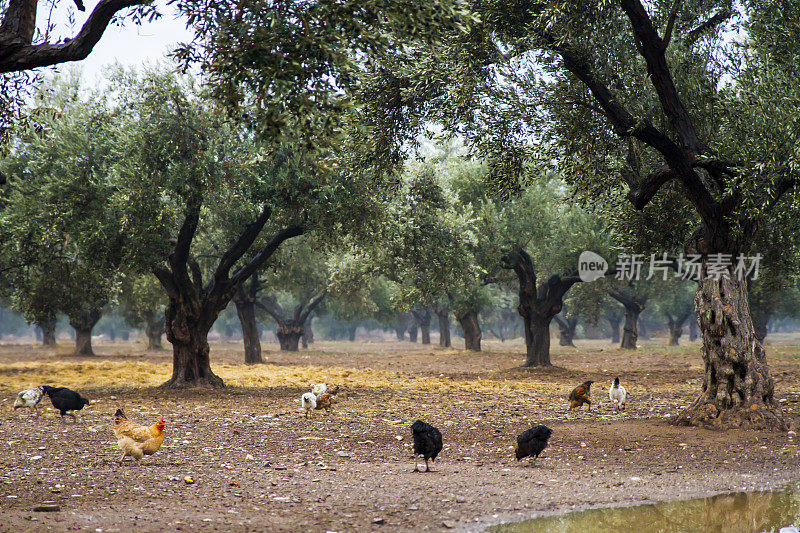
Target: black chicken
point(427, 442)
point(531, 442)
point(65, 400)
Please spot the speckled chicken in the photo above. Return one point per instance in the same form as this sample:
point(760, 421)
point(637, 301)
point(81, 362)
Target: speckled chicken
point(29, 398)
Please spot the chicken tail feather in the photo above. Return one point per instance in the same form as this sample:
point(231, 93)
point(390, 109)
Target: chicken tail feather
point(118, 416)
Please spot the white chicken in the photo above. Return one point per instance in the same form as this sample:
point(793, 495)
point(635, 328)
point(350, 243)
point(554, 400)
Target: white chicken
point(617, 394)
point(319, 388)
point(29, 398)
point(309, 402)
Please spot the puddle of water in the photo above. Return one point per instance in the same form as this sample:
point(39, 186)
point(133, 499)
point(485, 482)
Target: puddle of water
point(729, 513)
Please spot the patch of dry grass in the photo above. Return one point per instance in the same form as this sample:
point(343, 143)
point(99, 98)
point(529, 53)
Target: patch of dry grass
point(103, 374)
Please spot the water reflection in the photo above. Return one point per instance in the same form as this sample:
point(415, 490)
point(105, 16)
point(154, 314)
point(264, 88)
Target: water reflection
point(728, 513)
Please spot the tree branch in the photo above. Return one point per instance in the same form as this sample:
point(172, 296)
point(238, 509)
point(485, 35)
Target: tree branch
point(17, 52)
point(710, 24)
point(313, 303)
point(671, 23)
point(197, 274)
point(641, 192)
point(271, 306)
point(784, 186)
point(652, 47)
point(167, 281)
point(625, 125)
point(180, 254)
point(242, 244)
point(267, 251)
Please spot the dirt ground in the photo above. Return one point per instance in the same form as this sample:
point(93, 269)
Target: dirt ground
point(259, 465)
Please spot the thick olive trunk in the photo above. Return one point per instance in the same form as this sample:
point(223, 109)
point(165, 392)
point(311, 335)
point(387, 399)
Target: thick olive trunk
point(154, 338)
point(444, 328)
point(472, 330)
point(191, 362)
point(537, 342)
point(412, 333)
point(675, 332)
point(425, 333)
point(630, 333)
point(737, 384)
point(154, 342)
point(693, 328)
point(289, 337)
point(422, 318)
point(83, 326)
point(351, 333)
point(154, 330)
point(246, 310)
point(566, 331)
point(614, 322)
point(83, 341)
point(400, 332)
point(642, 331)
point(48, 334)
point(308, 333)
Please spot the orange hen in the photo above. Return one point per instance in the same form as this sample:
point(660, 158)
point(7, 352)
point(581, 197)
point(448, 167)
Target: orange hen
point(136, 440)
point(580, 395)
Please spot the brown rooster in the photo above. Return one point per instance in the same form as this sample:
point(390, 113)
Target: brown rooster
point(135, 440)
point(580, 396)
point(327, 399)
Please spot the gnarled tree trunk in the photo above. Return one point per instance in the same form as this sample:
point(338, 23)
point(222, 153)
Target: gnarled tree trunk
point(83, 324)
point(693, 329)
point(412, 332)
point(291, 330)
point(675, 332)
point(187, 330)
point(566, 330)
point(737, 385)
point(194, 306)
point(634, 305)
point(472, 330)
point(630, 332)
point(289, 336)
point(154, 330)
point(537, 341)
point(675, 325)
point(423, 318)
point(308, 333)
point(614, 322)
point(443, 314)
point(538, 305)
point(48, 333)
point(245, 301)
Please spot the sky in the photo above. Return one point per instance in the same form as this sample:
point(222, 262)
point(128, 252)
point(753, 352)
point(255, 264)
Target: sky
point(130, 45)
